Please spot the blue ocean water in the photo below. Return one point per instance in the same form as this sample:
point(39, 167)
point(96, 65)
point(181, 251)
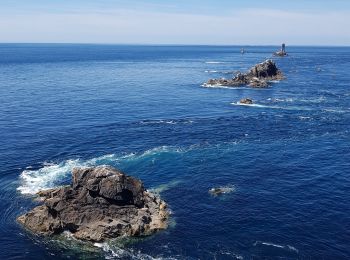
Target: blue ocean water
point(143, 109)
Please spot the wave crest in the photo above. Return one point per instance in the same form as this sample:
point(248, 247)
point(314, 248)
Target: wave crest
point(168, 121)
point(52, 175)
point(285, 247)
point(113, 252)
point(47, 177)
point(214, 62)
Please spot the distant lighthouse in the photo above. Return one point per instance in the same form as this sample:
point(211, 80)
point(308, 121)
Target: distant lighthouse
point(281, 52)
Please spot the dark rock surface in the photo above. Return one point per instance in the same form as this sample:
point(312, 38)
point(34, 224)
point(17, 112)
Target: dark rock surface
point(216, 191)
point(256, 77)
point(247, 101)
point(221, 190)
point(101, 203)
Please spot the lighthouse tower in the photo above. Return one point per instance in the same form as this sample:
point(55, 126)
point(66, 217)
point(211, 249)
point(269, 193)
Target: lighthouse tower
point(283, 50)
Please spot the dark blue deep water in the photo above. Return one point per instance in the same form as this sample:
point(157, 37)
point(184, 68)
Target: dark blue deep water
point(142, 109)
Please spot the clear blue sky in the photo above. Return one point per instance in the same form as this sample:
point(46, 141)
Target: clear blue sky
point(303, 22)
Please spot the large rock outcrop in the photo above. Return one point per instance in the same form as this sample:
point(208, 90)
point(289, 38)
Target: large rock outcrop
point(257, 77)
point(101, 203)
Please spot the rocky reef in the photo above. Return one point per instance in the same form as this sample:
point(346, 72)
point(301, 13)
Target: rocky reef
point(101, 203)
point(257, 77)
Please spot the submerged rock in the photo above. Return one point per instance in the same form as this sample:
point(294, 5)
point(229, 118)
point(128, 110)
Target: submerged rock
point(216, 191)
point(221, 190)
point(101, 203)
point(247, 101)
point(257, 77)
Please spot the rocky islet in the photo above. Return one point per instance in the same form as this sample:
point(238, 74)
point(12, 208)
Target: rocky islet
point(258, 76)
point(101, 203)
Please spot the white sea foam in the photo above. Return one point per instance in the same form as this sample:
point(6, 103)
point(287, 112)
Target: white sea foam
point(223, 190)
point(171, 122)
point(286, 247)
point(281, 99)
point(303, 100)
point(214, 62)
point(163, 121)
point(304, 117)
point(292, 248)
point(69, 236)
point(254, 105)
point(211, 71)
point(274, 81)
point(164, 187)
point(161, 150)
point(272, 107)
point(46, 177)
point(231, 254)
point(205, 85)
point(50, 175)
point(314, 100)
point(331, 110)
point(113, 252)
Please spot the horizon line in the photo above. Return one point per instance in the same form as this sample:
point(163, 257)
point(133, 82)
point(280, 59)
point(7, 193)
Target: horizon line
point(177, 44)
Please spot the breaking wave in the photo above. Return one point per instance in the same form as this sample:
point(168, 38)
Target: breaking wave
point(113, 252)
point(255, 105)
point(280, 99)
point(214, 62)
point(287, 248)
point(317, 100)
point(46, 177)
point(305, 117)
point(168, 121)
point(52, 175)
point(273, 107)
point(223, 87)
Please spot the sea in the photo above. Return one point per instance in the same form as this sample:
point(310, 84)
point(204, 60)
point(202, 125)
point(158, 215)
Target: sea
point(283, 162)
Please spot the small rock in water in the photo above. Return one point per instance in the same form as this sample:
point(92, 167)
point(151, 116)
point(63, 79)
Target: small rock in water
point(101, 203)
point(216, 191)
point(220, 190)
point(247, 101)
